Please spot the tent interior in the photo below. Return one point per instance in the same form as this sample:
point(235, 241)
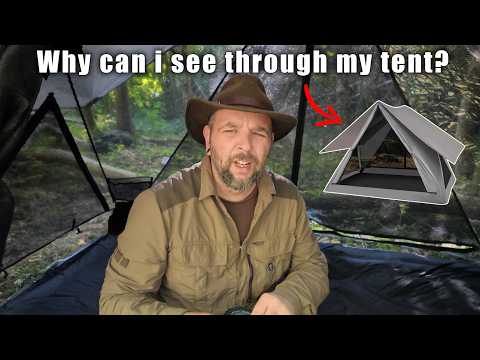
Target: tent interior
point(75, 151)
point(380, 158)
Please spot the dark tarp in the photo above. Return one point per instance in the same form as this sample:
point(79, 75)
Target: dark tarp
point(71, 286)
point(371, 282)
point(362, 282)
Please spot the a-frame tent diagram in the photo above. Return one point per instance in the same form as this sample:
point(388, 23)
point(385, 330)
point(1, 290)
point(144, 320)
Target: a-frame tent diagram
point(395, 153)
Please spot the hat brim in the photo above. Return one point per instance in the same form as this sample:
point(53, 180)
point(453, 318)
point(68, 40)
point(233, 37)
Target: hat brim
point(199, 111)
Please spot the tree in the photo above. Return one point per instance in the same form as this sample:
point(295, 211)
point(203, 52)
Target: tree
point(90, 118)
point(124, 119)
point(468, 123)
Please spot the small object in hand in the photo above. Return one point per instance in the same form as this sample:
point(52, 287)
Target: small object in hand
point(238, 310)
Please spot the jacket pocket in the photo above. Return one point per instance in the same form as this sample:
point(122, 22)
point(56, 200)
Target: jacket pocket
point(271, 260)
point(195, 269)
point(200, 254)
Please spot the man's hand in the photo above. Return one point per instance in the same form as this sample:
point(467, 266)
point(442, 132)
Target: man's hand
point(270, 304)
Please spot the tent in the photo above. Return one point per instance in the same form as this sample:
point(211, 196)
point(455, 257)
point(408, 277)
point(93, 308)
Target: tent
point(74, 149)
point(395, 153)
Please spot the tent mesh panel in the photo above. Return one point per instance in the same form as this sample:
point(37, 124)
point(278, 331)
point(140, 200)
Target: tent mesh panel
point(350, 95)
point(392, 154)
point(137, 126)
point(284, 92)
point(51, 193)
point(382, 151)
point(451, 99)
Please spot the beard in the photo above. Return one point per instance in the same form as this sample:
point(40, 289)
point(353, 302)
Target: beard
point(226, 175)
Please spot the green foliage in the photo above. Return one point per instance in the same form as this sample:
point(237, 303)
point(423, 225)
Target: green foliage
point(145, 92)
point(78, 131)
point(451, 99)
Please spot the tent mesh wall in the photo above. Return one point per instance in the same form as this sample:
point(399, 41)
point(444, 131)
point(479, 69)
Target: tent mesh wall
point(146, 149)
point(76, 126)
point(50, 191)
point(451, 99)
point(284, 92)
point(391, 153)
point(137, 126)
point(52, 195)
point(351, 95)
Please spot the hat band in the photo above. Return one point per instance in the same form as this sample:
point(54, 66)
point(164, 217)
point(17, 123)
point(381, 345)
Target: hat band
point(245, 101)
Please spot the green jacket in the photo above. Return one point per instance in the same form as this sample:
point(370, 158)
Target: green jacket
point(180, 250)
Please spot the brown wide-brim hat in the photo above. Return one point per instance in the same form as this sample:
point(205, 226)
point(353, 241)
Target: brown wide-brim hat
point(242, 93)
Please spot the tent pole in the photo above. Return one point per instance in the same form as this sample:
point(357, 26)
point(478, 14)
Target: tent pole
point(74, 92)
point(302, 107)
point(62, 124)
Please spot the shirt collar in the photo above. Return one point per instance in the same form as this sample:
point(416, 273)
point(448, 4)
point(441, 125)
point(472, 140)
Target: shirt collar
point(266, 186)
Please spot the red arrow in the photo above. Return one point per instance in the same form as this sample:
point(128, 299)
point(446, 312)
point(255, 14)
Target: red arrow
point(331, 115)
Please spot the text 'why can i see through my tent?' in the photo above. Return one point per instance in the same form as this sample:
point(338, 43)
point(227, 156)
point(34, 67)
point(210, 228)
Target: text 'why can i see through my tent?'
point(302, 64)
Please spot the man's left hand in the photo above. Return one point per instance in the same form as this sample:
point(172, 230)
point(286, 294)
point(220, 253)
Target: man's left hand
point(271, 304)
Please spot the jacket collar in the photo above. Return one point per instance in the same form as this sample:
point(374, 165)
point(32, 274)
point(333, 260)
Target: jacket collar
point(266, 186)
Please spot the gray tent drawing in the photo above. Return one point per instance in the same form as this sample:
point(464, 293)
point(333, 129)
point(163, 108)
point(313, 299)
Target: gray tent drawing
point(395, 153)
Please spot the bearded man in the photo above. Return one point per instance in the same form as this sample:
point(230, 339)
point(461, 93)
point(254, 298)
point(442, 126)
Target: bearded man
point(224, 233)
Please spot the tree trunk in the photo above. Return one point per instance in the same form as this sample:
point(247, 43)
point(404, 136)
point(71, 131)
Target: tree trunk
point(467, 128)
point(344, 95)
point(124, 119)
point(173, 97)
point(188, 91)
point(89, 118)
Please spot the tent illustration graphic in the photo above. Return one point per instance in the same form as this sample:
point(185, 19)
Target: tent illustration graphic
point(395, 153)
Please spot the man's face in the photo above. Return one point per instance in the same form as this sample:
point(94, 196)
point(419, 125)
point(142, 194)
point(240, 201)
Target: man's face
point(239, 143)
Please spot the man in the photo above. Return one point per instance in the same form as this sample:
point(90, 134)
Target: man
point(225, 232)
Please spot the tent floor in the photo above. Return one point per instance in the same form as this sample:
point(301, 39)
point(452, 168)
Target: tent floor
point(395, 182)
point(362, 282)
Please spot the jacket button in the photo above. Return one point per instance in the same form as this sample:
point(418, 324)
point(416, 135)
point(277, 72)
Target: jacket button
point(270, 267)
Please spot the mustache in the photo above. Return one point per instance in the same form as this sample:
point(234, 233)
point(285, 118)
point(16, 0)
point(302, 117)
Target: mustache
point(247, 157)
